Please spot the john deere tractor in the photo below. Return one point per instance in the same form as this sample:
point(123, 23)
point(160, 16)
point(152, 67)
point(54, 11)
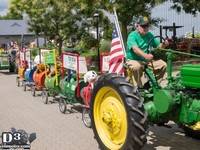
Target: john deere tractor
point(121, 112)
point(7, 61)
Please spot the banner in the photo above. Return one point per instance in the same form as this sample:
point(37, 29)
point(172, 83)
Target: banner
point(49, 58)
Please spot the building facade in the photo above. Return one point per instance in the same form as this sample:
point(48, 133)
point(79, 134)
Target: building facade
point(15, 30)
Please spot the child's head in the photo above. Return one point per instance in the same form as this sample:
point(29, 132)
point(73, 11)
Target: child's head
point(90, 76)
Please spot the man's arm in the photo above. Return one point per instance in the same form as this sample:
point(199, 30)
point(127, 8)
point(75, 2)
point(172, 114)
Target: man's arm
point(139, 52)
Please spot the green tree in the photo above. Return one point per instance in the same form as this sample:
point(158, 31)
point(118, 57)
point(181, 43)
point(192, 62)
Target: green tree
point(189, 6)
point(56, 20)
point(126, 9)
point(65, 19)
point(13, 14)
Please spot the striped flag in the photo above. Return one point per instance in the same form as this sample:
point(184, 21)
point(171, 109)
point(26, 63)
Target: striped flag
point(116, 54)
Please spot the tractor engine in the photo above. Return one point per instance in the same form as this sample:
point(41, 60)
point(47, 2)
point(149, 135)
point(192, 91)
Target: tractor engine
point(179, 101)
point(190, 107)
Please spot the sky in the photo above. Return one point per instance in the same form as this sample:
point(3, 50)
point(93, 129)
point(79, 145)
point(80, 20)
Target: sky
point(3, 7)
point(186, 20)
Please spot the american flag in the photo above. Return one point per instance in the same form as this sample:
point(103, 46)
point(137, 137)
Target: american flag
point(116, 54)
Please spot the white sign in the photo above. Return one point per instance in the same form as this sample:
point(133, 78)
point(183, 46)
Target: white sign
point(28, 53)
point(82, 65)
point(70, 62)
point(44, 51)
point(21, 55)
point(105, 63)
point(28, 57)
point(37, 59)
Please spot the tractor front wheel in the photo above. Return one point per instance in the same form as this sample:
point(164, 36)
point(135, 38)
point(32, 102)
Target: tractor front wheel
point(118, 117)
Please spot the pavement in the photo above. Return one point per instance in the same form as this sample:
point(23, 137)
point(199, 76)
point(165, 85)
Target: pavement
point(56, 131)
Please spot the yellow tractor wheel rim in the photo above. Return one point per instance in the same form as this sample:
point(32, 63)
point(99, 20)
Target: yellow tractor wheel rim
point(195, 127)
point(110, 118)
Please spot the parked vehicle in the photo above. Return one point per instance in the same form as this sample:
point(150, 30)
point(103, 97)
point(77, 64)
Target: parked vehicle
point(7, 61)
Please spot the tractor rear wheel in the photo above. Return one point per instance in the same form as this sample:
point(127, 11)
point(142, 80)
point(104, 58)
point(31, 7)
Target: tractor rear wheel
point(192, 133)
point(118, 117)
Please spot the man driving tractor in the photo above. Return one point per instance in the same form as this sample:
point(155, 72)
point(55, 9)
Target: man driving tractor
point(137, 51)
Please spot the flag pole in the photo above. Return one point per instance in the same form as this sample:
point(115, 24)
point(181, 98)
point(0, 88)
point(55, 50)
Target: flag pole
point(119, 31)
point(121, 39)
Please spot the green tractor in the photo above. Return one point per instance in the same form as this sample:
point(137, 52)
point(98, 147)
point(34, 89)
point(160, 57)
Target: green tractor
point(120, 112)
point(7, 61)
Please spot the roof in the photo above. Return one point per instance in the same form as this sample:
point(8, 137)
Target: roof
point(14, 27)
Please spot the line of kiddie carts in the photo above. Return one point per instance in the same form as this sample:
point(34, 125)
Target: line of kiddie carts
point(63, 78)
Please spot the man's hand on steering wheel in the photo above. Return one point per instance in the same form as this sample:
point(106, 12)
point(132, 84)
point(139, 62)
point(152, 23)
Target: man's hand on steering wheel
point(148, 57)
point(164, 44)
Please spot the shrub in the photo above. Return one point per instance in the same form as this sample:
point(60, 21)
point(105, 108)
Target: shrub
point(105, 45)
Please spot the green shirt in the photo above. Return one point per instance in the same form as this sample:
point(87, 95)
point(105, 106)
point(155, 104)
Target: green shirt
point(140, 41)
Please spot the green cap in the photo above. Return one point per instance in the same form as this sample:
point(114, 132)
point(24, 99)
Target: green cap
point(143, 20)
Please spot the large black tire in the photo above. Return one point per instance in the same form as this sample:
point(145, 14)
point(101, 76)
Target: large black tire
point(136, 118)
point(192, 133)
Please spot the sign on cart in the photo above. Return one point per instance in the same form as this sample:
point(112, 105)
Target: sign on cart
point(105, 63)
point(70, 62)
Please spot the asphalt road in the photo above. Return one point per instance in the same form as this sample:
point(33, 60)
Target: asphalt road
point(56, 131)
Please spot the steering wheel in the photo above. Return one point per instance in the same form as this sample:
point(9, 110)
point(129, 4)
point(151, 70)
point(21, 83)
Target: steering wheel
point(149, 52)
point(150, 41)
